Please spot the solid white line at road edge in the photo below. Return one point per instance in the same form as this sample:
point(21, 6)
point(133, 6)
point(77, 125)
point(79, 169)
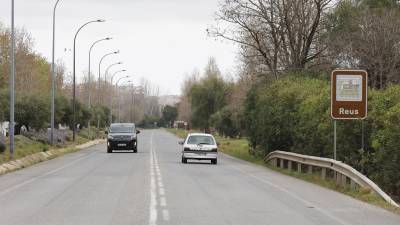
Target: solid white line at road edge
point(328, 214)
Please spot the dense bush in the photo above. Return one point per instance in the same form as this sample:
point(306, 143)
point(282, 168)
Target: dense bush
point(169, 115)
point(33, 111)
point(223, 122)
point(384, 120)
point(2, 146)
point(149, 122)
point(293, 114)
point(4, 105)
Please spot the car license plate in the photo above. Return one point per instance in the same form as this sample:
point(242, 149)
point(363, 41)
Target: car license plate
point(121, 145)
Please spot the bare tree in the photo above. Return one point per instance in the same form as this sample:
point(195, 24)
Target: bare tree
point(370, 42)
point(276, 35)
point(184, 107)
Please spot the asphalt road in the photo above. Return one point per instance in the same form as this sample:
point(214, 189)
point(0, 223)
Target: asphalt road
point(152, 187)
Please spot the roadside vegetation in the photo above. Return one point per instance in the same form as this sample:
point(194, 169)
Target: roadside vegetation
point(239, 148)
point(25, 146)
point(33, 105)
point(279, 98)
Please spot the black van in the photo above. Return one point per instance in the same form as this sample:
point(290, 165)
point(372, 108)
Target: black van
point(122, 136)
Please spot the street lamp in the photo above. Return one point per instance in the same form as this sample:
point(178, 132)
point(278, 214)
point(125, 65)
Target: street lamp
point(74, 77)
point(90, 53)
point(108, 68)
point(53, 77)
point(89, 76)
point(116, 73)
point(98, 87)
point(111, 93)
point(12, 83)
point(116, 84)
point(133, 103)
point(119, 99)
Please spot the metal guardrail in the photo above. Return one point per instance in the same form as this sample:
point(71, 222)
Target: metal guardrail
point(343, 172)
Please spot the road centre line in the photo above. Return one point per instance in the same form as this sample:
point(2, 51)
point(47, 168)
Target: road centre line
point(156, 175)
point(161, 191)
point(153, 195)
point(163, 202)
point(165, 213)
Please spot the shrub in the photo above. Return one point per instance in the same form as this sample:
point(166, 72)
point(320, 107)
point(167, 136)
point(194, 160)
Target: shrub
point(293, 114)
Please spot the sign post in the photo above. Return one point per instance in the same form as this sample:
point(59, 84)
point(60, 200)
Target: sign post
point(348, 97)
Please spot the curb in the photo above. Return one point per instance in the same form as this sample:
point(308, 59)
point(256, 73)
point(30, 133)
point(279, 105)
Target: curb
point(43, 156)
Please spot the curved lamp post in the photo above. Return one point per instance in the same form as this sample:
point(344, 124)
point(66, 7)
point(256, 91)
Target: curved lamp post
point(119, 99)
point(74, 78)
point(90, 55)
point(89, 76)
point(108, 68)
point(101, 60)
point(53, 76)
point(111, 93)
point(98, 87)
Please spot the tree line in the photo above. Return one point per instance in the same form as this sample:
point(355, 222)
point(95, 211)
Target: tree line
point(33, 88)
point(280, 97)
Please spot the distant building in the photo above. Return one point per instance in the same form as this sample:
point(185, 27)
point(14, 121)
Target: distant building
point(180, 125)
point(170, 100)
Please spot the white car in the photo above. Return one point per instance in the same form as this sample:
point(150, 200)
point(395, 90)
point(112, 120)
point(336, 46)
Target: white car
point(198, 146)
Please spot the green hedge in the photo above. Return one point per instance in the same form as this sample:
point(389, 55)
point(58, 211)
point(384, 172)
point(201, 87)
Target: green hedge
point(293, 114)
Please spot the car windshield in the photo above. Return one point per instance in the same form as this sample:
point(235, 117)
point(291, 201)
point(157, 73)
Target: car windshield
point(122, 129)
point(200, 140)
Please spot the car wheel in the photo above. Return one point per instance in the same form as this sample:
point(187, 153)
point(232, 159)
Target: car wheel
point(109, 150)
point(184, 160)
point(135, 150)
point(213, 161)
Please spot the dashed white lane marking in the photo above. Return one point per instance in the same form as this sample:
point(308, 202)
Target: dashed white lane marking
point(153, 193)
point(163, 202)
point(161, 191)
point(155, 175)
point(165, 214)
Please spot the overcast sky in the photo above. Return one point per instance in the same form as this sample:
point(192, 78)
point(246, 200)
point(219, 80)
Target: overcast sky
point(160, 40)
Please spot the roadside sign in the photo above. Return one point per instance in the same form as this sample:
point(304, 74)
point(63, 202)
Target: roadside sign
point(349, 94)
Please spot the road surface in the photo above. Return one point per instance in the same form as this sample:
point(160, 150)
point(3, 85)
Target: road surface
point(152, 187)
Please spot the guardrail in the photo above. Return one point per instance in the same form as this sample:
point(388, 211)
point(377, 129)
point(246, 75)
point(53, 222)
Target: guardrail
point(344, 174)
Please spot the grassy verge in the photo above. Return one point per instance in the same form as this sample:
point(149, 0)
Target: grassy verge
point(25, 146)
point(239, 148)
point(178, 132)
